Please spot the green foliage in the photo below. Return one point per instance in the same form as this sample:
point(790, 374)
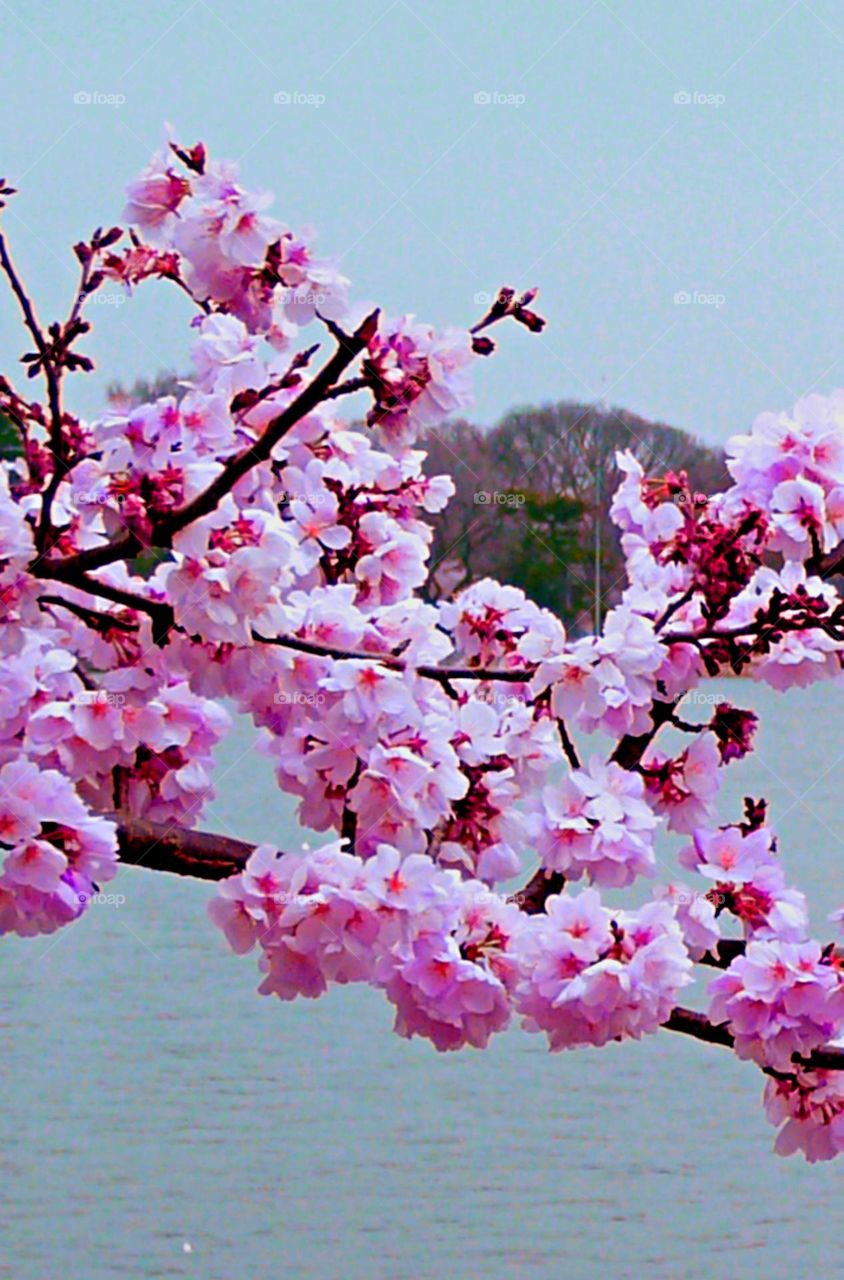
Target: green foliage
point(146, 563)
point(11, 444)
point(547, 559)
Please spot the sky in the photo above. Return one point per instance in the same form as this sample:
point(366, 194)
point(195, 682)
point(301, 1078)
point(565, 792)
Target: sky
point(668, 173)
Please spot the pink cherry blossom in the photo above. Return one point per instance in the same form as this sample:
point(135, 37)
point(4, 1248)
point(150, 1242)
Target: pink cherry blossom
point(779, 999)
point(589, 977)
point(685, 787)
point(809, 1107)
point(597, 824)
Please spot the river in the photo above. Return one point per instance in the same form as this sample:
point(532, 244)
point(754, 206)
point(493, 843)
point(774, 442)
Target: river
point(161, 1120)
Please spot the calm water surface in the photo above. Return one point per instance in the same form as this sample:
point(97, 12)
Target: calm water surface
point(161, 1120)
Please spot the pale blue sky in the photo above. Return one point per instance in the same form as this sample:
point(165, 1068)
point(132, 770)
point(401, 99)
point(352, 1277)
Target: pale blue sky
point(599, 187)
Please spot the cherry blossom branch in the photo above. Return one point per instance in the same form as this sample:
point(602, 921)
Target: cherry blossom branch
point(347, 388)
point(158, 846)
point(31, 322)
point(567, 744)
point(541, 886)
point(57, 447)
point(632, 747)
point(673, 608)
point(827, 566)
point(349, 347)
point(161, 613)
point(51, 377)
point(508, 303)
point(690, 1023)
point(762, 626)
point(724, 953)
point(93, 618)
point(441, 674)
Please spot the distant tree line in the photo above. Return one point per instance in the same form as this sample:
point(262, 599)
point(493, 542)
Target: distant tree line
point(533, 497)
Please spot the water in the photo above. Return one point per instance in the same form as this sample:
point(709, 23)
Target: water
point(161, 1120)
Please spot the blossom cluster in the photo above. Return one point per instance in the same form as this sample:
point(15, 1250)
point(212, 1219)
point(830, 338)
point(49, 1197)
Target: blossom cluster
point(56, 852)
point(589, 976)
point(439, 946)
point(749, 881)
point(597, 823)
point(453, 958)
point(779, 999)
point(808, 1109)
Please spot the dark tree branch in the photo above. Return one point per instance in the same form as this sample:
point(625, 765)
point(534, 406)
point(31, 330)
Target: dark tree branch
point(158, 611)
point(690, 1023)
point(567, 744)
point(442, 674)
point(31, 322)
point(92, 618)
point(827, 566)
point(62, 464)
point(697, 1025)
point(541, 886)
point(673, 608)
point(631, 748)
point(160, 846)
